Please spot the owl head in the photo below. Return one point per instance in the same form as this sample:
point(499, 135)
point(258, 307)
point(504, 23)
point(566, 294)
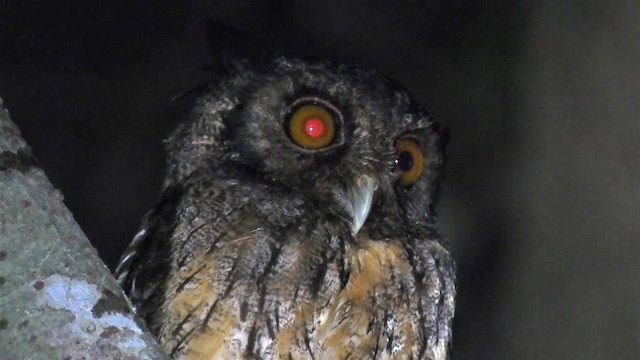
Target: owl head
point(346, 138)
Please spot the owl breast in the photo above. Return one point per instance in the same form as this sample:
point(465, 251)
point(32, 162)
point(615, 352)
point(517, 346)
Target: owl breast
point(267, 288)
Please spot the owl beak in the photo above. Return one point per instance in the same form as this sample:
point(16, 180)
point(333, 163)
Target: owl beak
point(358, 201)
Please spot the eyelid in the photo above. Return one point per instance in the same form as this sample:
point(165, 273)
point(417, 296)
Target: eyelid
point(316, 101)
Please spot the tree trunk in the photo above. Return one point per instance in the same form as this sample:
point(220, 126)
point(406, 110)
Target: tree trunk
point(57, 299)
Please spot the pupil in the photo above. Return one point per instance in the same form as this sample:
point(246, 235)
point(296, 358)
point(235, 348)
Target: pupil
point(404, 161)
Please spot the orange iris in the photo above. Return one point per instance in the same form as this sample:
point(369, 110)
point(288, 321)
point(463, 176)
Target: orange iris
point(312, 127)
point(409, 161)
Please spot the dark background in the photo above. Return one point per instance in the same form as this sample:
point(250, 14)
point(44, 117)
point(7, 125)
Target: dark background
point(542, 193)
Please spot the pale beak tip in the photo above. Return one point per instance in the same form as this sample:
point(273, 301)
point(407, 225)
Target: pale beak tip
point(361, 197)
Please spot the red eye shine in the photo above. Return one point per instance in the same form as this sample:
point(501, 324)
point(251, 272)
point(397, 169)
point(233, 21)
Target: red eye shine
point(314, 127)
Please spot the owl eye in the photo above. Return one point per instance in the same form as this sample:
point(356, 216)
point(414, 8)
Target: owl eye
point(311, 126)
point(409, 161)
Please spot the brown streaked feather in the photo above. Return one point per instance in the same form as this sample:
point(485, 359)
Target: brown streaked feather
point(371, 317)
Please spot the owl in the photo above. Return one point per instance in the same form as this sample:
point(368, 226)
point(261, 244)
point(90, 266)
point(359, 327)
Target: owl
point(297, 221)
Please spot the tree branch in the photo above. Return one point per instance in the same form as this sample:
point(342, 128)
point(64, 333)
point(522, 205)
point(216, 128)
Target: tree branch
point(57, 299)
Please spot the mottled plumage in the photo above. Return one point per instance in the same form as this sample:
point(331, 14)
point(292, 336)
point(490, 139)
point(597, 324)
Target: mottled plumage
point(262, 248)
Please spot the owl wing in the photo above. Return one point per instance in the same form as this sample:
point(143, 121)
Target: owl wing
point(144, 262)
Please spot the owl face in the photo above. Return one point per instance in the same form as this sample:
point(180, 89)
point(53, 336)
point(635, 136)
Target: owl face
point(338, 135)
